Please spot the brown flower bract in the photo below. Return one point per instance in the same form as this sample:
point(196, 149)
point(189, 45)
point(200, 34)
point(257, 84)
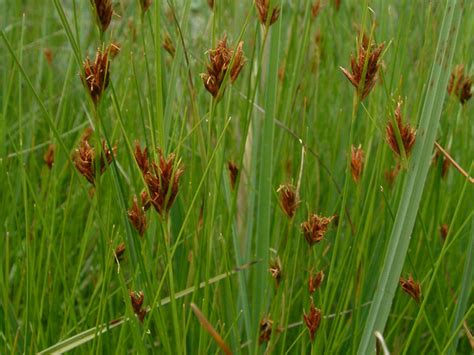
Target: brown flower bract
point(357, 162)
point(411, 287)
point(315, 228)
point(104, 11)
point(407, 133)
point(460, 85)
point(288, 199)
point(96, 74)
point(137, 217)
point(312, 320)
point(263, 7)
point(314, 282)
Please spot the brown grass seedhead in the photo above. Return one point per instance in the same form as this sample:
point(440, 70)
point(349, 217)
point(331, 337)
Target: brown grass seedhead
point(275, 270)
point(312, 320)
point(96, 75)
point(443, 231)
point(104, 12)
point(288, 199)
point(460, 85)
point(162, 179)
point(48, 54)
point(266, 325)
point(137, 217)
point(411, 287)
point(263, 7)
point(145, 4)
point(220, 60)
point(407, 133)
point(137, 298)
point(315, 281)
point(316, 8)
point(357, 162)
point(368, 59)
point(48, 157)
point(85, 158)
point(169, 46)
point(233, 173)
point(315, 228)
point(119, 251)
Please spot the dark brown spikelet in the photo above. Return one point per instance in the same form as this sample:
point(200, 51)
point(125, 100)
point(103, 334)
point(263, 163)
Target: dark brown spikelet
point(443, 231)
point(411, 287)
point(370, 54)
point(103, 11)
point(145, 4)
point(312, 320)
point(220, 60)
point(233, 173)
point(316, 8)
point(96, 75)
point(460, 85)
point(85, 158)
point(137, 217)
point(48, 54)
point(48, 157)
point(357, 162)
point(162, 179)
point(288, 199)
point(266, 325)
point(407, 134)
point(263, 7)
point(315, 281)
point(119, 251)
point(315, 228)
point(169, 46)
point(275, 270)
point(137, 298)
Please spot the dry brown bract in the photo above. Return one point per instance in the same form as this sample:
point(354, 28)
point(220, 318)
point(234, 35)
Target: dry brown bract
point(96, 75)
point(314, 282)
point(263, 6)
point(407, 133)
point(162, 179)
point(368, 55)
point(288, 199)
point(443, 231)
point(411, 287)
point(48, 157)
point(460, 85)
point(315, 8)
point(357, 162)
point(137, 217)
point(220, 60)
point(137, 299)
point(312, 320)
point(169, 46)
point(119, 251)
point(266, 325)
point(85, 158)
point(104, 11)
point(233, 172)
point(275, 270)
point(315, 228)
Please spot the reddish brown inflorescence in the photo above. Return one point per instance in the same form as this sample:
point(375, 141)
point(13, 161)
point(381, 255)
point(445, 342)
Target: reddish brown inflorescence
point(137, 217)
point(104, 12)
point(357, 162)
point(266, 325)
point(233, 172)
point(460, 84)
point(315, 228)
point(263, 7)
point(96, 75)
point(288, 199)
point(366, 63)
point(220, 60)
point(411, 287)
point(312, 320)
point(137, 299)
point(48, 157)
point(407, 133)
point(315, 281)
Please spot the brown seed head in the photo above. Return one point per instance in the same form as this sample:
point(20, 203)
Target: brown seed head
point(141, 157)
point(316, 8)
point(460, 84)
point(137, 298)
point(48, 54)
point(162, 179)
point(104, 11)
point(314, 282)
point(411, 287)
point(119, 251)
point(288, 199)
point(312, 320)
point(48, 157)
point(96, 74)
point(233, 172)
point(145, 4)
point(266, 325)
point(370, 54)
point(315, 228)
point(263, 7)
point(407, 133)
point(357, 162)
point(220, 60)
point(168, 45)
point(443, 231)
point(85, 157)
point(137, 217)
point(275, 270)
